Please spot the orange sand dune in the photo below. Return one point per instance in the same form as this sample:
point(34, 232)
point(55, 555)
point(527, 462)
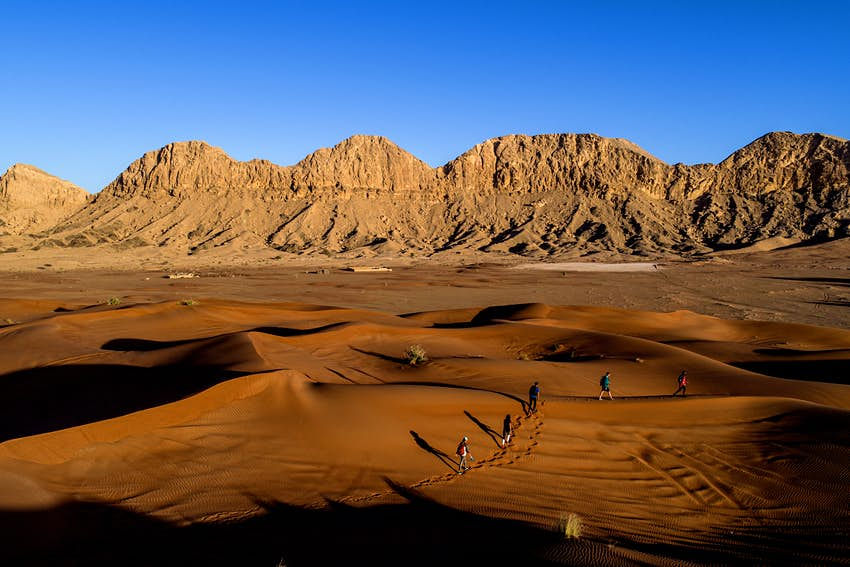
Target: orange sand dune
point(227, 432)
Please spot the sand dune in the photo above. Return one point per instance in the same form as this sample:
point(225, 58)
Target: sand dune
point(254, 433)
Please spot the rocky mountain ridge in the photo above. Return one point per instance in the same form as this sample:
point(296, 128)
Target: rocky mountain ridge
point(545, 196)
point(32, 200)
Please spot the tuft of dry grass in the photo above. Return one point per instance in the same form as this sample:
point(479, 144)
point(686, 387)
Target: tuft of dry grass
point(415, 354)
point(570, 526)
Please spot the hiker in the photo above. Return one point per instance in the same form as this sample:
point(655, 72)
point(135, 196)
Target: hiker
point(605, 384)
point(533, 394)
point(463, 453)
point(683, 383)
point(507, 430)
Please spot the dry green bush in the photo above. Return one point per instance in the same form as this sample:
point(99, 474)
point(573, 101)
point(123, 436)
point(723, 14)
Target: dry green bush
point(570, 526)
point(415, 354)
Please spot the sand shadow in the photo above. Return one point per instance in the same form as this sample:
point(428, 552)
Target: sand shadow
point(290, 332)
point(48, 398)
point(388, 358)
point(828, 371)
point(147, 345)
point(825, 280)
point(143, 345)
point(425, 446)
point(417, 532)
point(494, 435)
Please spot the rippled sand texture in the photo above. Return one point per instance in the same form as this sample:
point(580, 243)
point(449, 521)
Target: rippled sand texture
point(227, 432)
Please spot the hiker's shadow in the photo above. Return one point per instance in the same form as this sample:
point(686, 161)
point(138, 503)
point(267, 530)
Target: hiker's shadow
point(436, 452)
point(494, 435)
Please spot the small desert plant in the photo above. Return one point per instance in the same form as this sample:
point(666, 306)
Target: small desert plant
point(113, 301)
point(415, 354)
point(8, 321)
point(570, 526)
point(188, 302)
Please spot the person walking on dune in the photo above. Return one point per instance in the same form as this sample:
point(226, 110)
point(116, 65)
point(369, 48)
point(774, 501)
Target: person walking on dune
point(683, 383)
point(507, 430)
point(533, 394)
point(605, 384)
point(463, 453)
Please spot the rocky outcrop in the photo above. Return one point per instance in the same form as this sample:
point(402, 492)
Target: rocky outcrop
point(782, 184)
point(540, 196)
point(32, 200)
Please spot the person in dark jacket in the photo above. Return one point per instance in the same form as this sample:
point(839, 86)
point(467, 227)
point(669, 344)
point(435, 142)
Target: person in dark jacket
point(507, 430)
point(533, 394)
point(683, 383)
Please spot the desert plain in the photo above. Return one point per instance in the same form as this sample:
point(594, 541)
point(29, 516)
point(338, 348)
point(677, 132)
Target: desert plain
point(265, 413)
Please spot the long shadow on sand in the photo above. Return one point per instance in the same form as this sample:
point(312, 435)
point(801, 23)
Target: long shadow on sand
point(38, 400)
point(424, 445)
point(388, 358)
point(494, 435)
point(417, 533)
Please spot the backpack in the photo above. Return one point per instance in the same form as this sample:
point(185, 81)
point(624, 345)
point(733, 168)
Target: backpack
point(461, 449)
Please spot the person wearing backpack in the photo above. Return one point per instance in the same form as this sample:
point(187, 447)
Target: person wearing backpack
point(533, 394)
point(683, 383)
point(463, 453)
point(605, 384)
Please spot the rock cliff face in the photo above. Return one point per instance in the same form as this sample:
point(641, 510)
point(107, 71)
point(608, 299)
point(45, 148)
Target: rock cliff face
point(539, 196)
point(32, 200)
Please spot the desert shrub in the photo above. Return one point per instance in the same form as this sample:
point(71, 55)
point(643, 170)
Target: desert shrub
point(189, 302)
point(113, 301)
point(570, 526)
point(415, 354)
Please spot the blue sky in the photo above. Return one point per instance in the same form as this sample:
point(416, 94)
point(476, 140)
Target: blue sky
point(88, 87)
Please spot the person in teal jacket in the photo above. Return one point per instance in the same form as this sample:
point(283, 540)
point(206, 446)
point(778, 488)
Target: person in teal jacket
point(605, 384)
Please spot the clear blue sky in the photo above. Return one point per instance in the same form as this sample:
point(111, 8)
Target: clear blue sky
point(88, 87)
